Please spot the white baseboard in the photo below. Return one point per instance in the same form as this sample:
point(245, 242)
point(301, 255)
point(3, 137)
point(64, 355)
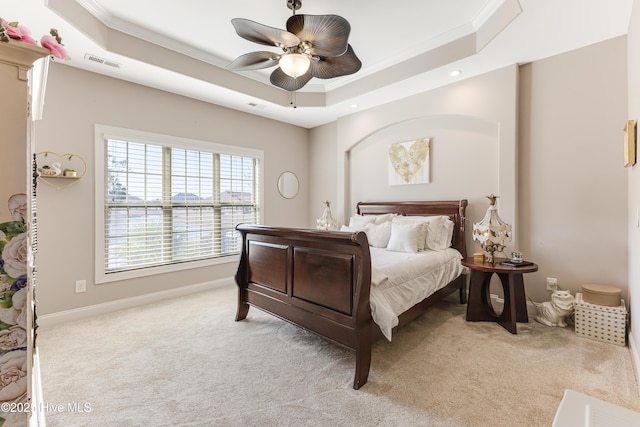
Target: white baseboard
point(635, 358)
point(52, 319)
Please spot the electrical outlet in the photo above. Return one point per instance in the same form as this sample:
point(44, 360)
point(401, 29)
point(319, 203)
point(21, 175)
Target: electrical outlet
point(81, 286)
point(552, 284)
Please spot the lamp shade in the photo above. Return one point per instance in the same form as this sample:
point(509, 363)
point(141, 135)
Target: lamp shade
point(492, 232)
point(294, 64)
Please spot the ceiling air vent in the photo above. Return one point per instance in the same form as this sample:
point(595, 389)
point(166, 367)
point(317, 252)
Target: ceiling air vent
point(97, 59)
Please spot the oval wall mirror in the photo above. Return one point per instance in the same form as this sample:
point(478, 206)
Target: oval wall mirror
point(288, 185)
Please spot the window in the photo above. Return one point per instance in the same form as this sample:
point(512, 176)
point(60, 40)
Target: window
point(165, 204)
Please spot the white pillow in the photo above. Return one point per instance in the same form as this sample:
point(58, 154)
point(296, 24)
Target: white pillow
point(415, 220)
point(378, 234)
point(450, 226)
point(350, 230)
point(359, 221)
point(440, 234)
point(437, 234)
point(434, 232)
point(384, 217)
point(404, 237)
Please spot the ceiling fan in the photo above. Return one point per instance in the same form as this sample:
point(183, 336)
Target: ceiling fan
point(312, 46)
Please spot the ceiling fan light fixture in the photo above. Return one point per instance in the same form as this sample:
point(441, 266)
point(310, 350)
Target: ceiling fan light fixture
point(294, 64)
point(313, 46)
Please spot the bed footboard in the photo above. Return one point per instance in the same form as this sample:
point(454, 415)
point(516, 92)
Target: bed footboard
point(318, 280)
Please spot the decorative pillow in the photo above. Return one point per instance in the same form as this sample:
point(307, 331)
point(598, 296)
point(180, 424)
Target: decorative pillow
point(404, 237)
point(422, 221)
point(359, 221)
point(384, 217)
point(435, 230)
point(450, 226)
point(378, 234)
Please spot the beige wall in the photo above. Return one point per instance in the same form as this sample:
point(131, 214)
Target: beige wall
point(322, 158)
point(474, 117)
point(573, 197)
point(75, 101)
point(472, 124)
point(566, 192)
point(633, 179)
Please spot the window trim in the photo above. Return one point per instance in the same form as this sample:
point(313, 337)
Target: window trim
point(104, 132)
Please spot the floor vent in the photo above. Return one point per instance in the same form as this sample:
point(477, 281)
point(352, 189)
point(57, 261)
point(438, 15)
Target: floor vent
point(97, 59)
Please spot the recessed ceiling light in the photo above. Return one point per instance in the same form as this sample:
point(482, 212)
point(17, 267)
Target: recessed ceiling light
point(455, 73)
point(354, 105)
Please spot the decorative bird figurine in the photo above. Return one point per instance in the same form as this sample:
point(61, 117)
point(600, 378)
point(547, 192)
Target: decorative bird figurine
point(57, 167)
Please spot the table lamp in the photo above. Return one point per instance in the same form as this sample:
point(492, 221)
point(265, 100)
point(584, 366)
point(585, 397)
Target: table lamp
point(492, 232)
point(326, 221)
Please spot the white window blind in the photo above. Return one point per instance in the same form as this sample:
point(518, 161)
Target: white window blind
point(169, 204)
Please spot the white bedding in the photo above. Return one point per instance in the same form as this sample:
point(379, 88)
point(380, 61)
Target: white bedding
point(401, 280)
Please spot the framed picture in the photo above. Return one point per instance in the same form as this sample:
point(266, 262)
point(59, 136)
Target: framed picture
point(409, 162)
point(630, 143)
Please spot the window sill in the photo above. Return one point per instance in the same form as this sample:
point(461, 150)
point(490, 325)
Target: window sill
point(102, 277)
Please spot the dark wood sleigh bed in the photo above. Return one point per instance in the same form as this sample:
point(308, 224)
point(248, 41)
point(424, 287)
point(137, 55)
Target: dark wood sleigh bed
point(321, 280)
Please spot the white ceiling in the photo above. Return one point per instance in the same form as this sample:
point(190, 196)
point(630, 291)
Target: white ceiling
point(406, 47)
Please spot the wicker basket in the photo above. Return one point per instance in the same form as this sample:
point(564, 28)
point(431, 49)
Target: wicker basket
point(601, 323)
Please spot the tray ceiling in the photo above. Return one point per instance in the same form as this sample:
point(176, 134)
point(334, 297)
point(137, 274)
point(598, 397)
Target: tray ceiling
point(405, 47)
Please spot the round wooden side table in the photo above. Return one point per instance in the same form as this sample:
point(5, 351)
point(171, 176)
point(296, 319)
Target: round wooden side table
point(479, 308)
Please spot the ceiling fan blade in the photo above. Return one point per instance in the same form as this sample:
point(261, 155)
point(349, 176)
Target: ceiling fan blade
point(263, 34)
point(286, 82)
point(254, 61)
point(326, 68)
point(328, 34)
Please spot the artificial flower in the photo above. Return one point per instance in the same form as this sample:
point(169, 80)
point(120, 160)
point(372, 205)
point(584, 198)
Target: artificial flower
point(15, 255)
point(13, 375)
point(20, 282)
point(13, 338)
point(14, 30)
point(19, 300)
point(18, 206)
point(18, 32)
point(9, 317)
point(56, 48)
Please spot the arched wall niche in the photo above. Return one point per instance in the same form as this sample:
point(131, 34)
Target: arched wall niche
point(464, 162)
point(473, 124)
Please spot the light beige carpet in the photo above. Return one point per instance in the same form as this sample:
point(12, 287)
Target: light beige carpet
point(186, 362)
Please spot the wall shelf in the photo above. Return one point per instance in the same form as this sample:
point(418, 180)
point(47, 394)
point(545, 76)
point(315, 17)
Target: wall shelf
point(59, 163)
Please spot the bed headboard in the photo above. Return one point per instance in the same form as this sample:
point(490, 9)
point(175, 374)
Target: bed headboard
point(454, 209)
